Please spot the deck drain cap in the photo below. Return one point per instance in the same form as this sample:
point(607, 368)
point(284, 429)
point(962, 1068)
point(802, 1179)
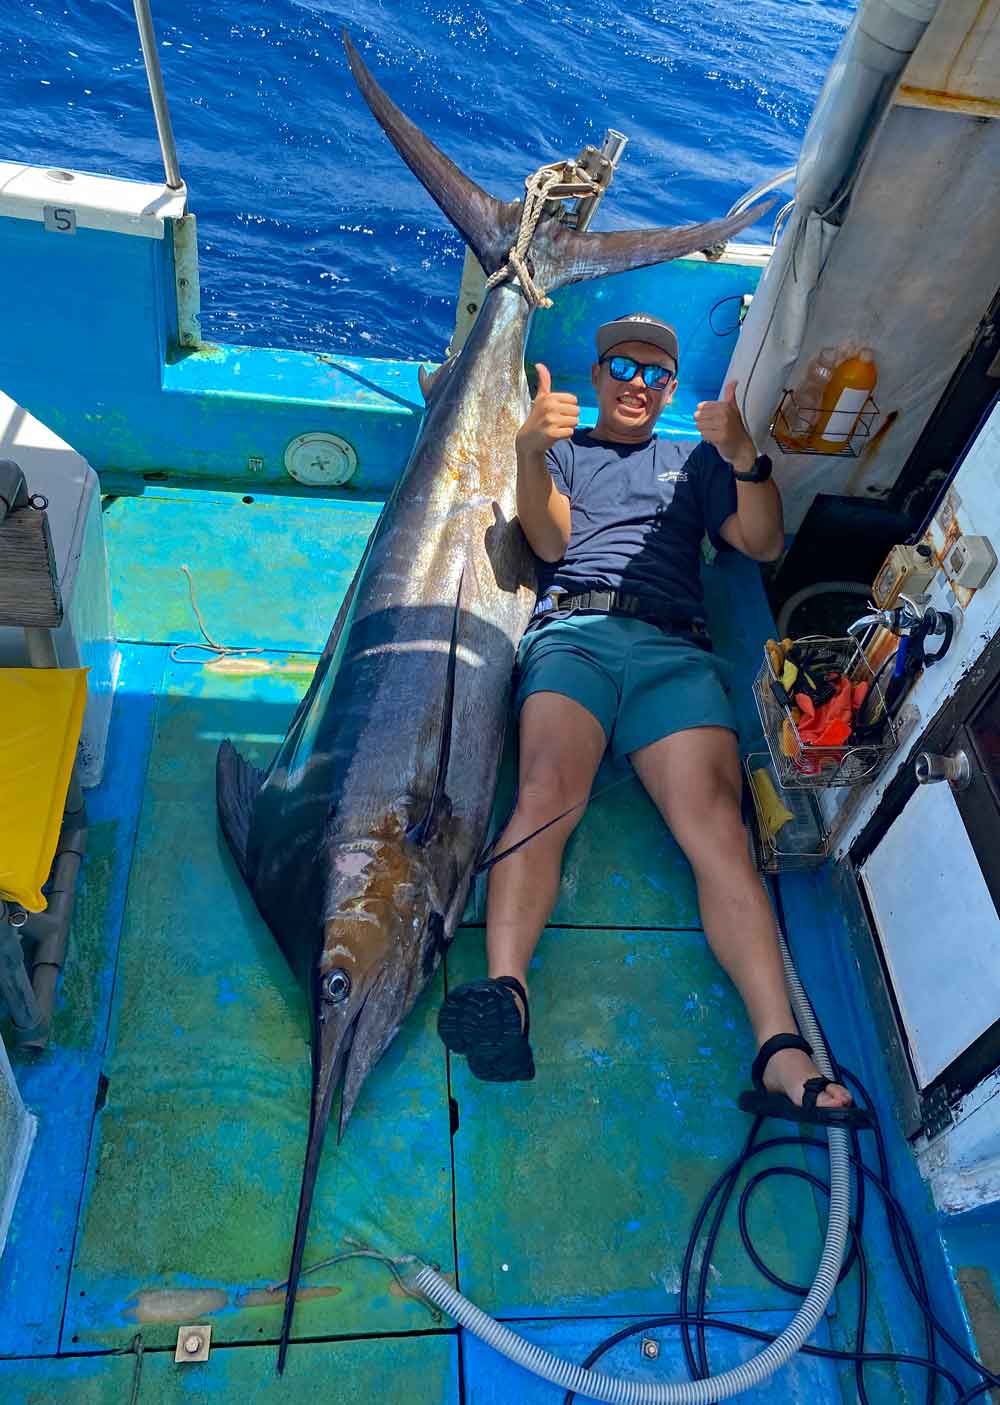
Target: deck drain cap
point(321, 460)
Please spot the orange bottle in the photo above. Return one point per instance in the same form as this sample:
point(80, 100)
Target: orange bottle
point(844, 400)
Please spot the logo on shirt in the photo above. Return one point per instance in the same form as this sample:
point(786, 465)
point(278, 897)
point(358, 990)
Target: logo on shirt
point(672, 475)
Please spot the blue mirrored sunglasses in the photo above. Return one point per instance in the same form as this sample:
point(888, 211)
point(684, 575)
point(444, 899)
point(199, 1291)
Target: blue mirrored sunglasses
point(623, 368)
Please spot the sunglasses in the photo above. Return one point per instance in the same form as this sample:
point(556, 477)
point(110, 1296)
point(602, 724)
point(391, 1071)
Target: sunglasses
point(623, 368)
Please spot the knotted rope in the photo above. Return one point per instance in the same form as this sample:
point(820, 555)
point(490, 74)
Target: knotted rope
point(210, 646)
point(556, 182)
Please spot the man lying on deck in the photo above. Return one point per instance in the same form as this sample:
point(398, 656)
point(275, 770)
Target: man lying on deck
point(617, 655)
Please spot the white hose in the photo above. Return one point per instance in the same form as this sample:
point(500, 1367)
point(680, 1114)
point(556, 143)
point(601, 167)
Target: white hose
point(759, 1368)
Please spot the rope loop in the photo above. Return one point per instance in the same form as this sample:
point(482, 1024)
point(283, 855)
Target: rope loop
point(560, 181)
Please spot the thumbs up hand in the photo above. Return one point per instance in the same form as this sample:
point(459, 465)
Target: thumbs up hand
point(554, 415)
point(719, 422)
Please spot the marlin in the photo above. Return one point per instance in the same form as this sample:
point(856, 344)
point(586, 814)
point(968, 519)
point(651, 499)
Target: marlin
point(360, 840)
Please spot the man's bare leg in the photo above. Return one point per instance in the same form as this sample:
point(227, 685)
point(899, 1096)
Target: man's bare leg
point(561, 745)
point(694, 779)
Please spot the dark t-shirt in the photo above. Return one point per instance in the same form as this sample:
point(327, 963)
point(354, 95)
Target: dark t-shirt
point(638, 517)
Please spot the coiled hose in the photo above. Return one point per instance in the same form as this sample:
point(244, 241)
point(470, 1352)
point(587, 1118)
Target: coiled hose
point(759, 1368)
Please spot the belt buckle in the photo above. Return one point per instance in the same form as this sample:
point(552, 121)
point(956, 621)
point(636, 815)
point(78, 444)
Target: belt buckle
point(548, 603)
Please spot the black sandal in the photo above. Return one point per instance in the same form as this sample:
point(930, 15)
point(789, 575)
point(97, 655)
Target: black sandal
point(482, 1021)
point(763, 1103)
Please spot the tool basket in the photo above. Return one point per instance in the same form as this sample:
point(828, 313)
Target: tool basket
point(802, 764)
point(786, 826)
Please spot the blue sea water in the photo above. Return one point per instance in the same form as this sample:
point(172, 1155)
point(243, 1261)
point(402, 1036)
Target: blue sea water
point(312, 232)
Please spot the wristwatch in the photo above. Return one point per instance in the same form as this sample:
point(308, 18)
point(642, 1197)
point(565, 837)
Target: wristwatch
point(758, 472)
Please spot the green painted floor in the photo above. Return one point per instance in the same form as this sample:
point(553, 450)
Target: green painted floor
point(194, 1171)
point(391, 1371)
point(571, 1197)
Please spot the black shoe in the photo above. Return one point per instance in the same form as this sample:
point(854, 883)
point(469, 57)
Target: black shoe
point(482, 1021)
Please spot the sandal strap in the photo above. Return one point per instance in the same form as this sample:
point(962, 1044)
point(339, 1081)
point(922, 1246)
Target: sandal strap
point(776, 1045)
point(811, 1090)
point(512, 983)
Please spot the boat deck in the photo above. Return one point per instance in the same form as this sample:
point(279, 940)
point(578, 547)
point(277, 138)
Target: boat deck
point(173, 1100)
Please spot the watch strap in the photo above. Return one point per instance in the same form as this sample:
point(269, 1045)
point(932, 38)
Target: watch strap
point(759, 471)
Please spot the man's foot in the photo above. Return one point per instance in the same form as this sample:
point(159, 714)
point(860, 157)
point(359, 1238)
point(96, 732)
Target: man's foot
point(488, 1022)
point(788, 1071)
point(786, 1084)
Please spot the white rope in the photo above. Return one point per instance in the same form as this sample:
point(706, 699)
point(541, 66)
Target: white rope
point(210, 646)
point(540, 187)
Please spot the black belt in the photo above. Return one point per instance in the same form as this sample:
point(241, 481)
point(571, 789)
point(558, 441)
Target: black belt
point(619, 602)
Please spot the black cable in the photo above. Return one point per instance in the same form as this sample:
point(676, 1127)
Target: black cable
point(729, 331)
point(694, 1320)
point(701, 1321)
point(829, 1353)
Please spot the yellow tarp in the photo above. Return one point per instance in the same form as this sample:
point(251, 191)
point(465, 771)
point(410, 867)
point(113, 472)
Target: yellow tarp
point(41, 713)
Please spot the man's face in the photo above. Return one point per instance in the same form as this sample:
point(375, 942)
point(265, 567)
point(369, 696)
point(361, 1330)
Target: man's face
point(629, 409)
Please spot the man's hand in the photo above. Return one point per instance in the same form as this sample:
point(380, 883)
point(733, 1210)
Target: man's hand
point(719, 423)
point(554, 415)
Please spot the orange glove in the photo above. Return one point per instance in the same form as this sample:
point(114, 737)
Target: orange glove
point(829, 725)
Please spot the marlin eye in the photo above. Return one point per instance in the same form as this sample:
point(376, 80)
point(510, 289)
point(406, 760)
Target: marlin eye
point(336, 986)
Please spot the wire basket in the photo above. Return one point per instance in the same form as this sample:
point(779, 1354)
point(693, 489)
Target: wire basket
point(802, 765)
point(787, 828)
point(794, 421)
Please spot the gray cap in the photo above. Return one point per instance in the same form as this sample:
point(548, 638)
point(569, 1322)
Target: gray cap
point(638, 326)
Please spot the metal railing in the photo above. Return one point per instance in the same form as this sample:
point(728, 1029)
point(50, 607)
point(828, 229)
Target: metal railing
point(775, 183)
point(154, 76)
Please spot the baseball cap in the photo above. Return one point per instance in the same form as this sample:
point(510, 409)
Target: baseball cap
point(638, 326)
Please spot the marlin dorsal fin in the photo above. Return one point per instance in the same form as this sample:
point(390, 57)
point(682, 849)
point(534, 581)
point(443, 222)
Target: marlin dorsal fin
point(421, 831)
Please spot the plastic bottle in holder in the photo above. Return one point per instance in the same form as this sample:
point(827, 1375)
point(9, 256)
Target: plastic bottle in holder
point(800, 410)
point(846, 395)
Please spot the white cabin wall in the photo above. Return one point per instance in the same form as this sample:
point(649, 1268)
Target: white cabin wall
point(974, 498)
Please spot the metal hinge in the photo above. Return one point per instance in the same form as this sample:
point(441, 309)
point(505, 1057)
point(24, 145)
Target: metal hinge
point(936, 1112)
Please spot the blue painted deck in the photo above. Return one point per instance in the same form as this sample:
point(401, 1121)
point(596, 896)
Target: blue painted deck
point(173, 1100)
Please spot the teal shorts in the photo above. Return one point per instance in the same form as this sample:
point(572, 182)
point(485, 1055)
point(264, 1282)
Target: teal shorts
point(639, 682)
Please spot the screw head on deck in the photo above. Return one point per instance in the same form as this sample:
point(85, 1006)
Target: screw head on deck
point(193, 1343)
point(650, 1348)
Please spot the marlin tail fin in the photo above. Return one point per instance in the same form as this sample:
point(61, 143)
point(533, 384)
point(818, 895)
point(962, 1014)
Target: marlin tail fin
point(558, 255)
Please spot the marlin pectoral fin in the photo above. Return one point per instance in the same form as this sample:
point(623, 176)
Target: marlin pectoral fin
point(421, 832)
point(486, 224)
point(237, 784)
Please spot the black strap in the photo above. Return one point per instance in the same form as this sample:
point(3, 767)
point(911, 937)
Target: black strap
point(620, 602)
point(512, 983)
point(811, 1090)
point(776, 1045)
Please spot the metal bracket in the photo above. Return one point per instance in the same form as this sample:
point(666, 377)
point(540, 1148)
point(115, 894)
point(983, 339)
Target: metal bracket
point(193, 1343)
point(185, 233)
point(936, 1112)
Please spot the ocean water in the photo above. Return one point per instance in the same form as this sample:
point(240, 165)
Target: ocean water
point(312, 232)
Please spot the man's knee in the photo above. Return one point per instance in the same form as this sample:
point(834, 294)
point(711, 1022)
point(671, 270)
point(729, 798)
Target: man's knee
point(549, 787)
point(713, 808)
